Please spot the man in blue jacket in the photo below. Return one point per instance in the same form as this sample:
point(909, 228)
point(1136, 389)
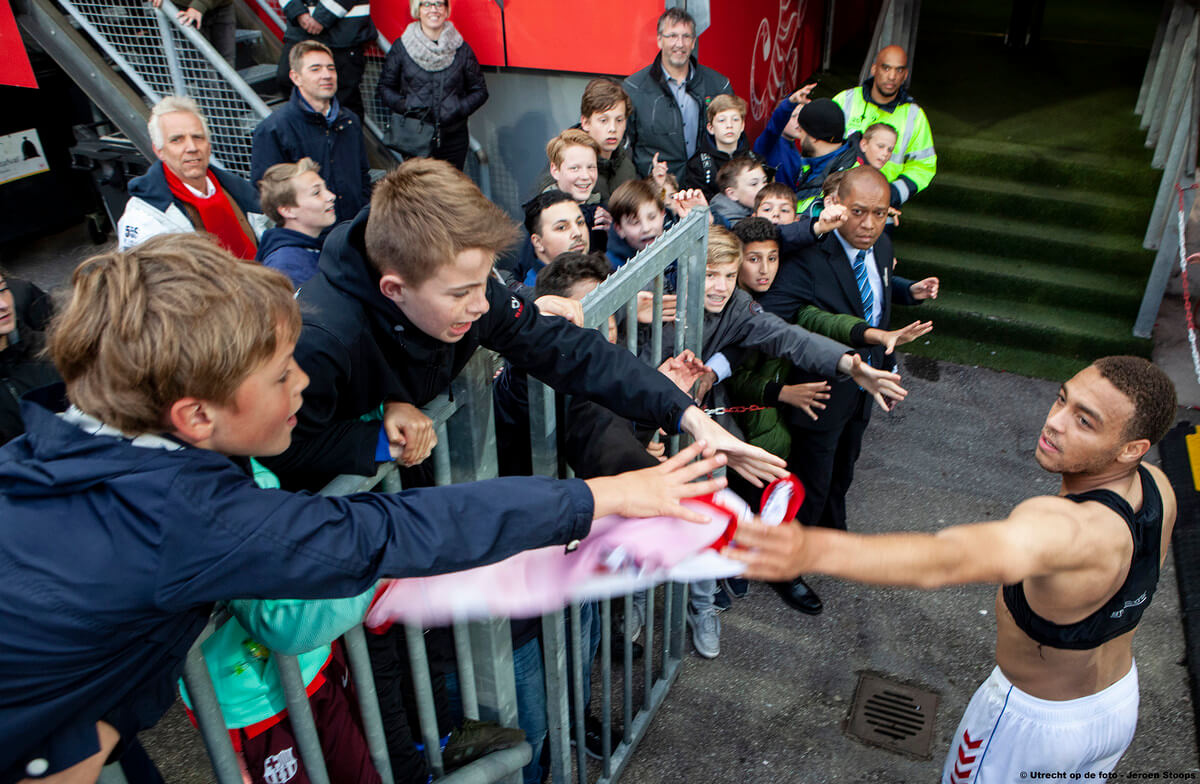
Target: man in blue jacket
point(313, 124)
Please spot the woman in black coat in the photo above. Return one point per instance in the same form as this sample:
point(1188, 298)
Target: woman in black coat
point(430, 67)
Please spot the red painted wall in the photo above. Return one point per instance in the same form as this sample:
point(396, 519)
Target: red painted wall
point(764, 46)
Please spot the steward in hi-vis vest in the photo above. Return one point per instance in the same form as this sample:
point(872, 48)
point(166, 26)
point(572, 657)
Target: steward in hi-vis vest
point(882, 98)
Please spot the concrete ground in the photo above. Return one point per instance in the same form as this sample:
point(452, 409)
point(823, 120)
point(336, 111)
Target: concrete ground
point(772, 706)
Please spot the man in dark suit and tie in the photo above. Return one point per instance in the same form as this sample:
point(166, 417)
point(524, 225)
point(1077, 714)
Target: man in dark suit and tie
point(848, 270)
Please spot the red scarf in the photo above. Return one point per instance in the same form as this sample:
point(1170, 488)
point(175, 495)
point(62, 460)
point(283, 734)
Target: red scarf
point(217, 215)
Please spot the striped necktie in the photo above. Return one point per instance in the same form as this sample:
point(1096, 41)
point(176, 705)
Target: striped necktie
point(864, 287)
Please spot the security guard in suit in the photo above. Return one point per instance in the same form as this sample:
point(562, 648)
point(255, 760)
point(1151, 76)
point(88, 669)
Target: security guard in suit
point(848, 270)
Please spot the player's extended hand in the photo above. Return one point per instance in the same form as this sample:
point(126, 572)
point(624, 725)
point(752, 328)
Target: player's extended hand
point(554, 305)
point(831, 217)
point(898, 337)
point(770, 552)
point(882, 385)
point(410, 433)
point(656, 491)
point(684, 369)
point(806, 397)
point(750, 461)
point(894, 215)
point(645, 307)
point(925, 289)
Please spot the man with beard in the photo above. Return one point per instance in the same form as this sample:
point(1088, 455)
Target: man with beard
point(669, 97)
point(883, 98)
point(820, 129)
point(1077, 570)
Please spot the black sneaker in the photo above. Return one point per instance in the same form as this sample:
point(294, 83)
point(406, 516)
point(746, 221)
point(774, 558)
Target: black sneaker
point(474, 739)
point(593, 737)
point(721, 600)
point(737, 587)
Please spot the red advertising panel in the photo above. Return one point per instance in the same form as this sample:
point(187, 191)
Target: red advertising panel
point(614, 37)
point(765, 47)
point(479, 21)
point(15, 69)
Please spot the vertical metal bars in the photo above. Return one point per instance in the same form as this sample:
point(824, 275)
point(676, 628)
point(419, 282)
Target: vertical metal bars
point(684, 246)
point(1170, 113)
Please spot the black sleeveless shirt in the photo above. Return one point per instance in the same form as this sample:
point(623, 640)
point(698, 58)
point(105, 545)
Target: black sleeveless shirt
point(1122, 612)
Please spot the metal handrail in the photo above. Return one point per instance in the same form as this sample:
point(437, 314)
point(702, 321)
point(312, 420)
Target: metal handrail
point(1169, 103)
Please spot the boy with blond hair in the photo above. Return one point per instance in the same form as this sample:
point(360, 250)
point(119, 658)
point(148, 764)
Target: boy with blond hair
point(725, 138)
point(573, 157)
point(297, 200)
point(133, 509)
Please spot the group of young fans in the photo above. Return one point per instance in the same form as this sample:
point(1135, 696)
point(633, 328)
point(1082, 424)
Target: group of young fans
point(200, 391)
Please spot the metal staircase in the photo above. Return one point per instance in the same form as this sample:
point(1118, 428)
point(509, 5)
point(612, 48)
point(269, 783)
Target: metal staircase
point(126, 55)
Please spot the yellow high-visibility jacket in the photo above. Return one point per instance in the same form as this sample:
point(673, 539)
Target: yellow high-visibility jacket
point(914, 161)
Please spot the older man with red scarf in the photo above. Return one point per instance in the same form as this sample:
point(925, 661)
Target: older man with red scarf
point(185, 193)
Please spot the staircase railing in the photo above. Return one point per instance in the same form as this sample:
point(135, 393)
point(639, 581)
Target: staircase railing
point(162, 57)
point(1170, 111)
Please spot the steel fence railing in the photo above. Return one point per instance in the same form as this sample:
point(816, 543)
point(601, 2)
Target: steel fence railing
point(162, 57)
point(1170, 109)
point(685, 246)
point(466, 451)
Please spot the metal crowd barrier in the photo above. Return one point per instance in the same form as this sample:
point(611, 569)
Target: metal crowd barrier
point(466, 451)
point(162, 57)
point(686, 246)
point(1170, 111)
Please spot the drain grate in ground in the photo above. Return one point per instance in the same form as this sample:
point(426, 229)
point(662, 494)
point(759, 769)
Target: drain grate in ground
point(894, 716)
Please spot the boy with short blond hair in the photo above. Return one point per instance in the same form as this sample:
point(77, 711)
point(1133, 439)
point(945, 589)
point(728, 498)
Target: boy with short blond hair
point(573, 157)
point(876, 146)
point(725, 138)
point(133, 508)
point(296, 198)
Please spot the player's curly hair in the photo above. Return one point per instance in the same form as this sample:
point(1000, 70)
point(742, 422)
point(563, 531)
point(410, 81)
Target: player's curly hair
point(1150, 391)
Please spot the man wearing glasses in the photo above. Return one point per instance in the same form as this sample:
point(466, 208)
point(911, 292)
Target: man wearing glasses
point(669, 97)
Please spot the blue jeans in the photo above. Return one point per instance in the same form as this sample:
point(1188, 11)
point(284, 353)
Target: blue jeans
point(531, 703)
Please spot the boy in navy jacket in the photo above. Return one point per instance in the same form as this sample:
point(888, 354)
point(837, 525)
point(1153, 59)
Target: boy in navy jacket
point(128, 507)
point(297, 199)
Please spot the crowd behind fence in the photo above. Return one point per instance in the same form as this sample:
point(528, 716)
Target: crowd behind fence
point(466, 451)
